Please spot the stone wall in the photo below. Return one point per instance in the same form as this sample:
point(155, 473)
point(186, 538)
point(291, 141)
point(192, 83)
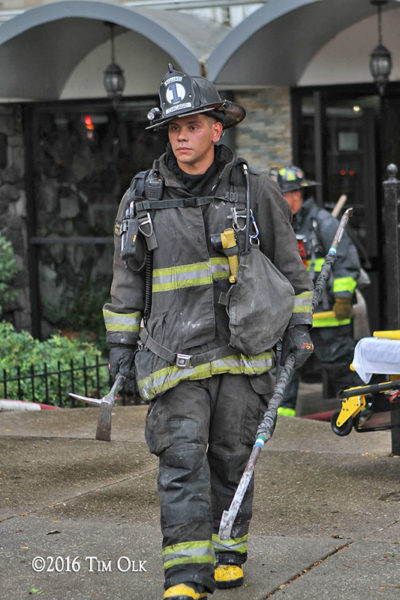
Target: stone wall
point(264, 137)
point(13, 209)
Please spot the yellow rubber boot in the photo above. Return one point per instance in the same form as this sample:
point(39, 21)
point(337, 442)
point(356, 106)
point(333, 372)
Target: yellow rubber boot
point(228, 576)
point(183, 592)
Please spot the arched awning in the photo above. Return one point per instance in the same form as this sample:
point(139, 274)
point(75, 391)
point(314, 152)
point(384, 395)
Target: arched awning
point(274, 45)
point(41, 48)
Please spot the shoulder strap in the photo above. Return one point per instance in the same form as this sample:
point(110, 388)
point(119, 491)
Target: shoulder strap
point(173, 203)
point(136, 187)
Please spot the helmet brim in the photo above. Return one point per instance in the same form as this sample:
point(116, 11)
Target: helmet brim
point(296, 185)
point(231, 112)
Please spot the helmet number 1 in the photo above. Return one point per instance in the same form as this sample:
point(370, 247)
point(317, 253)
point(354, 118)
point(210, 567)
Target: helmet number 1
point(175, 93)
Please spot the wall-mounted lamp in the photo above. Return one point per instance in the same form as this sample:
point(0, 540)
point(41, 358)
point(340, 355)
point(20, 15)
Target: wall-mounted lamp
point(114, 80)
point(380, 63)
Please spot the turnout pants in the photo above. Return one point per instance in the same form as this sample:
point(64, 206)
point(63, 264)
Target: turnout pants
point(203, 432)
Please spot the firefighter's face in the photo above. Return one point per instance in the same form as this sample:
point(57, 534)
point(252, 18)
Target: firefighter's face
point(294, 199)
point(192, 139)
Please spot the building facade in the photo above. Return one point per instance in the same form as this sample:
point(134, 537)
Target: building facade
point(67, 153)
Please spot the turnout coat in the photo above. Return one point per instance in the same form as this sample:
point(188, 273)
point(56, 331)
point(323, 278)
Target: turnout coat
point(187, 333)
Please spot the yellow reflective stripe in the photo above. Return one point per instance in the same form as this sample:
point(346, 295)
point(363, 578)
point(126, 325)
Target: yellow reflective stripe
point(173, 278)
point(182, 276)
point(237, 364)
point(220, 267)
point(183, 283)
point(330, 322)
point(317, 264)
point(303, 302)
point(121, 321)
point(185, 546)
point(189, 560)
point(344, 284)
point(232, 545)
point(188, 553)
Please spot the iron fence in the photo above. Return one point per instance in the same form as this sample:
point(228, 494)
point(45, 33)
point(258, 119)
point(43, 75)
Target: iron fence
point(51, 387)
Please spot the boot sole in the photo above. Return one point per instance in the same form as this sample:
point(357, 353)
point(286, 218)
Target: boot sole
point(224, 585)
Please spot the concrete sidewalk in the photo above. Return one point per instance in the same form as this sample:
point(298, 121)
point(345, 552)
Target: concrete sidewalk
point(326, 514)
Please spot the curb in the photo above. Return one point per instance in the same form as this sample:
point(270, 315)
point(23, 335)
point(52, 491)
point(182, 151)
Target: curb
point(21, 405)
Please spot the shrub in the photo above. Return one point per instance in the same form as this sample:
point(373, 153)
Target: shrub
point(8, 270)
point(20, 349)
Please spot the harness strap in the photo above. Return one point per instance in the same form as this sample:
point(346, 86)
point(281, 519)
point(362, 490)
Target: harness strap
point(182, 360)
point(146, 205)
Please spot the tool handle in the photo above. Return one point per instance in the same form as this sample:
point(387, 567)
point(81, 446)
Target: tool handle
point(119, 380)
point(267, 425)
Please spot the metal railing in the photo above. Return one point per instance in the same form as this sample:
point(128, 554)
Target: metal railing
point(52, 387)
point(391, 263)
point(391, 248)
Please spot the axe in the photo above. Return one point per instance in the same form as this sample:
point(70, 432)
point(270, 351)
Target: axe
point(103, 431)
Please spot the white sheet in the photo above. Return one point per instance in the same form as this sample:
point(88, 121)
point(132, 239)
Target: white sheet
point(376, 355)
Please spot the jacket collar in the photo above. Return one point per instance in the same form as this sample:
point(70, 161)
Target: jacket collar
point(224, 159)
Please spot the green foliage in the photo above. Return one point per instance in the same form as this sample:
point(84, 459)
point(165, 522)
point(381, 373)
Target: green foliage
point(82, 314)
point(20, 349)
point(8, 270)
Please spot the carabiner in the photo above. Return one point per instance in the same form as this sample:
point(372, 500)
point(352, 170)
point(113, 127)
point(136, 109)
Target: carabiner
point(254, 241)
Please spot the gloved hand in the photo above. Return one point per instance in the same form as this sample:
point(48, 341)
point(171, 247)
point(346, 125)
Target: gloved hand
point(297, 340)
point(121, 359)
point(343, 308)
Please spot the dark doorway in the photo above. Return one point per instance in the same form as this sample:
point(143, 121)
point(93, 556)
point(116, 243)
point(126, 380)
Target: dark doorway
point(80, 160)
point(337, 141)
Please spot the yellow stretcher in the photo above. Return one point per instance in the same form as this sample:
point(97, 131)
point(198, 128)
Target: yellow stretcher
point(369, 407)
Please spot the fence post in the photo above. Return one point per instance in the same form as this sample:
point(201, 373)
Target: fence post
point(85, 376)
point(391, 258)
point(5, 383)
point(46, 382)
point(97, 376)
point(71, 363)
point(19, 383)
point(33, 383)
point(59, 383)
point(391, 249)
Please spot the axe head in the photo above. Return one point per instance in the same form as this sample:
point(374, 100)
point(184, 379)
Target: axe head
point(103, 431)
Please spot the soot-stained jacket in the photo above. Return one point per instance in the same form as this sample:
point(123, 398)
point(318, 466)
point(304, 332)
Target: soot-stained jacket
point(318, 227)
point(187, 334)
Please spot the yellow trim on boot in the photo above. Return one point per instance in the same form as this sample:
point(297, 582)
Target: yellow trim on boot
point(228, 576)
point(183, 592)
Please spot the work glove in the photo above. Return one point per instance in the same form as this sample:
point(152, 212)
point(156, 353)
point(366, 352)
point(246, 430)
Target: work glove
point(121, 360)
point(343, 308)
point(297, 340)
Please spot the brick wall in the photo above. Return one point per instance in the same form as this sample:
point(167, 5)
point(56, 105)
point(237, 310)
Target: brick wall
point(264, 137)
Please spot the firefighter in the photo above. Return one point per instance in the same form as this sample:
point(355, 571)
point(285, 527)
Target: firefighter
point(205, 397)
point(332, 332)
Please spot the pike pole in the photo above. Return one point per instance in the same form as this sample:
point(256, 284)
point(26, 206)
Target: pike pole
point(267, 425)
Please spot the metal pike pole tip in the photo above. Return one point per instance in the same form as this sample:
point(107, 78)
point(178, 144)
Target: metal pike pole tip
point(103, 431)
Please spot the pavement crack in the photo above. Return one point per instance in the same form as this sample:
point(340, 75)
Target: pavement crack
point(308, 569)
point(81, 494)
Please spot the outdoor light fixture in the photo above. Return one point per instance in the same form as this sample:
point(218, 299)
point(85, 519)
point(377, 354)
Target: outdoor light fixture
point(380, 63)
point(114, 80)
